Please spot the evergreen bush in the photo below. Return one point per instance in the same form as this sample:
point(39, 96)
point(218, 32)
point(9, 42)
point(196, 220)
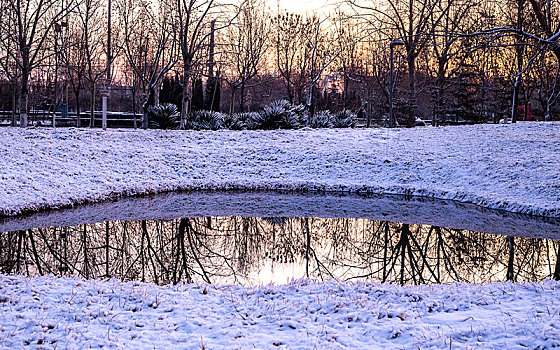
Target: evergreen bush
point(344, 119)
point(321, 119)
point(164, 116)
point(206, 120)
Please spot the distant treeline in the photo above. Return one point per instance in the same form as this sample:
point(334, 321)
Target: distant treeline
point(454, 61)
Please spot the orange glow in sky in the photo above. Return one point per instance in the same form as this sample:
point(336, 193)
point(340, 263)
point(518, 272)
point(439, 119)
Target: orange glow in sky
point(300, 5)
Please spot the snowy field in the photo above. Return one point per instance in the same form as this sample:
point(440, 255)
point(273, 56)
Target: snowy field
point(512, 167)
point(71, 313)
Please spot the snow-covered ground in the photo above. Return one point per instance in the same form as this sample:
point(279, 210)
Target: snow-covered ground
point(512, 167)
point(47, 312)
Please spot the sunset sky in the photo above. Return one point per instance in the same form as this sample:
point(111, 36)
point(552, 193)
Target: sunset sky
point(299, 5)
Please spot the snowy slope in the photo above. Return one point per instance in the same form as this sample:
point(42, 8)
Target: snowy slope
point(72, 313)
point(512, 167)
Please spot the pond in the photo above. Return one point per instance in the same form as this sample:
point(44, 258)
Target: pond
point(257, 238)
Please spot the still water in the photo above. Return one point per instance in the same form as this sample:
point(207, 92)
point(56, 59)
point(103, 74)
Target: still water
point(260, 250)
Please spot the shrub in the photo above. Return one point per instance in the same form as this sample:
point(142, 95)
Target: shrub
point(296, 112)
point(250, 120)
point(269, 118)
point(344, 119)
point(321, 119)
point(206, 120)
point(279, 115)
point(164, 116)
point(236, 122)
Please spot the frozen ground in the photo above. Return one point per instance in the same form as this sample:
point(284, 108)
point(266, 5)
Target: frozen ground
point(71, 313)
point(512, 167)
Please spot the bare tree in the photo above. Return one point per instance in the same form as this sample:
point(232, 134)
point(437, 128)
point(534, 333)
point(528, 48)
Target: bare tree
point(192, 23)
point(247, 42)
point(448, 18)
point(291, 31)
point(347, 36)
point(32, 21)
point(149, 46)
point(8, 64)
point(77, 65)
point(547, 13)
point(322, 53)
point(547, 76)
point(408, 20)
point(91, 21)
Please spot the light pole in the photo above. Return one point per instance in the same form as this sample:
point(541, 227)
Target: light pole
point(393, 43)
point(105, 93)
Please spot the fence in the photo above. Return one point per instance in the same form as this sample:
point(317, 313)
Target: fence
point(45, 118)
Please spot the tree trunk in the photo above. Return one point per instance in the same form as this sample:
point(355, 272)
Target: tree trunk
point(186, 101)
point(519, 54)
point(148, 102)
point(510, 273)
point(23, 100)
point(92, 115)
point(242, 97)
point(78, 108)
point(145, 121)
point(156, 89)
point(411, 117)
point(404, 242)
point(14, 105)
point(310, 105)
point(289, 91)
point(369, 106)
point(515, 101)
point(232, 101)
point(438, 115)
point(345, 92)
point(556, 275)
point(134, 107)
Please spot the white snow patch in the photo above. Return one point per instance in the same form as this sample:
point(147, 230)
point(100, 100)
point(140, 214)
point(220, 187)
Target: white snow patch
point(513, 167)
point(73, 313)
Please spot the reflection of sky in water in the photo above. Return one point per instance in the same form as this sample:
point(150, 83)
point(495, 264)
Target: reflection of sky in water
point(256, 251)
point(276, 272)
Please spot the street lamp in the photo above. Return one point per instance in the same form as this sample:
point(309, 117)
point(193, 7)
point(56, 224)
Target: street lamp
point(393, 43)
point(105, 92)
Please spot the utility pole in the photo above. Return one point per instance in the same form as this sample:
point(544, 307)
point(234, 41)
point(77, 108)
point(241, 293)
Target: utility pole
point(65, 71)
point(211, 62)
point(391, 84)
point(519, 57)
point(106, 92)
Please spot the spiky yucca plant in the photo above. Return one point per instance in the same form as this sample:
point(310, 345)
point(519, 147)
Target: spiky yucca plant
point(344, 119)
point(235, 122)
point(164, 116)
point(269, 118)
point(278, 115)
point(206, 120)
point(250, 120)
point(321, 119)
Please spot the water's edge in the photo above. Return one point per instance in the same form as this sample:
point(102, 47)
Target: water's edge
point(397, 208)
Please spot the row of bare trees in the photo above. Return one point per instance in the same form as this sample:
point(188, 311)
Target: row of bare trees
point(457, 56)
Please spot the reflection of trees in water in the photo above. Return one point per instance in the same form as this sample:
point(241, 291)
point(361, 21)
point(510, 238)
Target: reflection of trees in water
point(231, 249)
point(416, 254)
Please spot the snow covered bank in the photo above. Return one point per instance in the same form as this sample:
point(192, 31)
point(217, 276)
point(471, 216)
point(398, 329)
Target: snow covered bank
point(72, 313)
point(511, 167)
